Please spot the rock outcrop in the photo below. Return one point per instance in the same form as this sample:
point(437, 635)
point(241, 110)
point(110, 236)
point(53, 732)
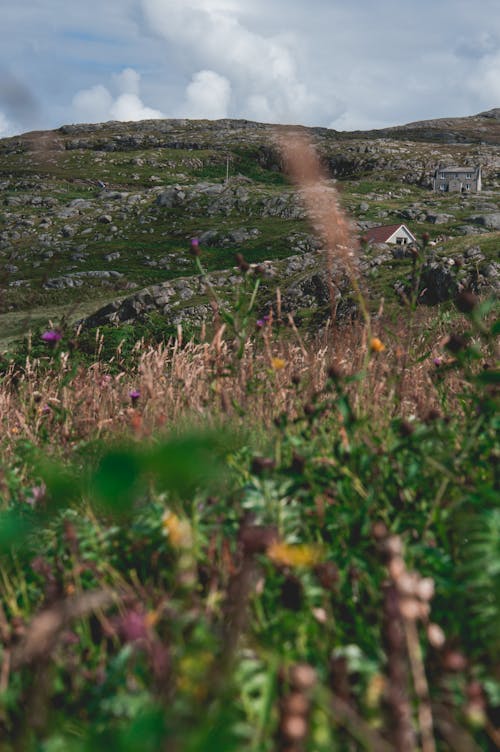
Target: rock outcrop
point(303, 280)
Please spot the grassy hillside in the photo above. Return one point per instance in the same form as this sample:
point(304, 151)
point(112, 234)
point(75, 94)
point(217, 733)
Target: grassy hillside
point(57, 222)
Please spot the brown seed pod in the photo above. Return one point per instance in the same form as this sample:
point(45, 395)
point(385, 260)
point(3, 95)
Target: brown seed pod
point(436, 636)
point(256, 539)
point(302, 677)
point(294, 728)
point(295, 704)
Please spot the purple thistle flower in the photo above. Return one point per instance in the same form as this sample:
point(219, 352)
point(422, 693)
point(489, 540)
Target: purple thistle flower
point(133, 626)
point(134, 395)
point(437, 362)
point(264, 320)
point(51, 336)
point(195, 246)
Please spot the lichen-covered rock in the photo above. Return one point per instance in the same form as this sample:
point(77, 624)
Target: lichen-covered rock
point(304, 283)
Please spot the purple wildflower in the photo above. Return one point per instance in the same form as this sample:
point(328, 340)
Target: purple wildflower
point(195, 246)
point(51, 337)
point(133, 626)
point(134, 395)
point(437, 362)
point(37, 494)
point(264, 320)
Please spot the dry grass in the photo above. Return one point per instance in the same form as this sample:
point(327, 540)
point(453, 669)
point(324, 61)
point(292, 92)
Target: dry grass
point(206, 384)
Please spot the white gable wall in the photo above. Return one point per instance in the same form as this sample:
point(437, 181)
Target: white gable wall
point(402, 236)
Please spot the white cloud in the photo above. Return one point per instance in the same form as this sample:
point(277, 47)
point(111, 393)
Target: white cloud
point(484, 80)
point(130, 107)
point(97, 104)
point(261, 69)
point(93, 105)
point(207, 96)
point(4, 126)
point(128, 81)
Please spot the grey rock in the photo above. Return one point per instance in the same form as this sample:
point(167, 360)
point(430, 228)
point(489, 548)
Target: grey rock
point(173, 196)
point(241, 235)
point(114, 195)
point(474, 254)
point(439, 219)
point(469, 230)
point(210, 238)
point(78, 278)
point(67, 213)
point(491, 221)
point(105, 219)
point(80, 204)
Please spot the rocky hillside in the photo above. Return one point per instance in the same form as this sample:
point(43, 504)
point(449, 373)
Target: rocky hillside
point(94, 213)
point(483, 128)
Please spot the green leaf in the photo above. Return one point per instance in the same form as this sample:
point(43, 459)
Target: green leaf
point(115, 483)
point(491, 376)
point(181, 465)
point(14, 529)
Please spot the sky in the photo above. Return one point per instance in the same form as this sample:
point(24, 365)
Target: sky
point(344, 64)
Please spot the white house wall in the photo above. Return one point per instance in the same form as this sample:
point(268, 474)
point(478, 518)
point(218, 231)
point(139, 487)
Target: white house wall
point(401, 233)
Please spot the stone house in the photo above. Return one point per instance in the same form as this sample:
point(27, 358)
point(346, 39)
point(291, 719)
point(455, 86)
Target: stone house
point(394, 234)
point(457, 179)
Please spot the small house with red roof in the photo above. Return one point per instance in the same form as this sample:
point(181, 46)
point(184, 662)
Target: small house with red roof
point(397, 234)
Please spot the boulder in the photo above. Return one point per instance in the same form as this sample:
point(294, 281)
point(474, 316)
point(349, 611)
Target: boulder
point(304, 282)
point(491, 221)
point(439, 219)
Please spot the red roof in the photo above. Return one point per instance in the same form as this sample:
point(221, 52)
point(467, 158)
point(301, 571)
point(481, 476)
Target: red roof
point(383, 233)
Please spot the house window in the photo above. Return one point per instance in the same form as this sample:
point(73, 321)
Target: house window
point(401, 241)
point(442, 175)
point(442, 187)
point(469, 175)
point(467, 186)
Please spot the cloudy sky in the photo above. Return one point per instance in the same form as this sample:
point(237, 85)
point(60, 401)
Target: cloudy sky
point(345, 64)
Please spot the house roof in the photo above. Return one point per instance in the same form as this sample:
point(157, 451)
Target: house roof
point(457, 169)
point(383, 233)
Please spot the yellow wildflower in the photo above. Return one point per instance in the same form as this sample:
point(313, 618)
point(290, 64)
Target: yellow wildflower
point(151, 618)
point(278, 363)
point(375, 690)
point(302, 555)
point(376, 345)
point(178, 531)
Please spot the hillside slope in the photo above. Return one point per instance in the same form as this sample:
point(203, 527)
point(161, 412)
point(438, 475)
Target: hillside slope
point(92, 212)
